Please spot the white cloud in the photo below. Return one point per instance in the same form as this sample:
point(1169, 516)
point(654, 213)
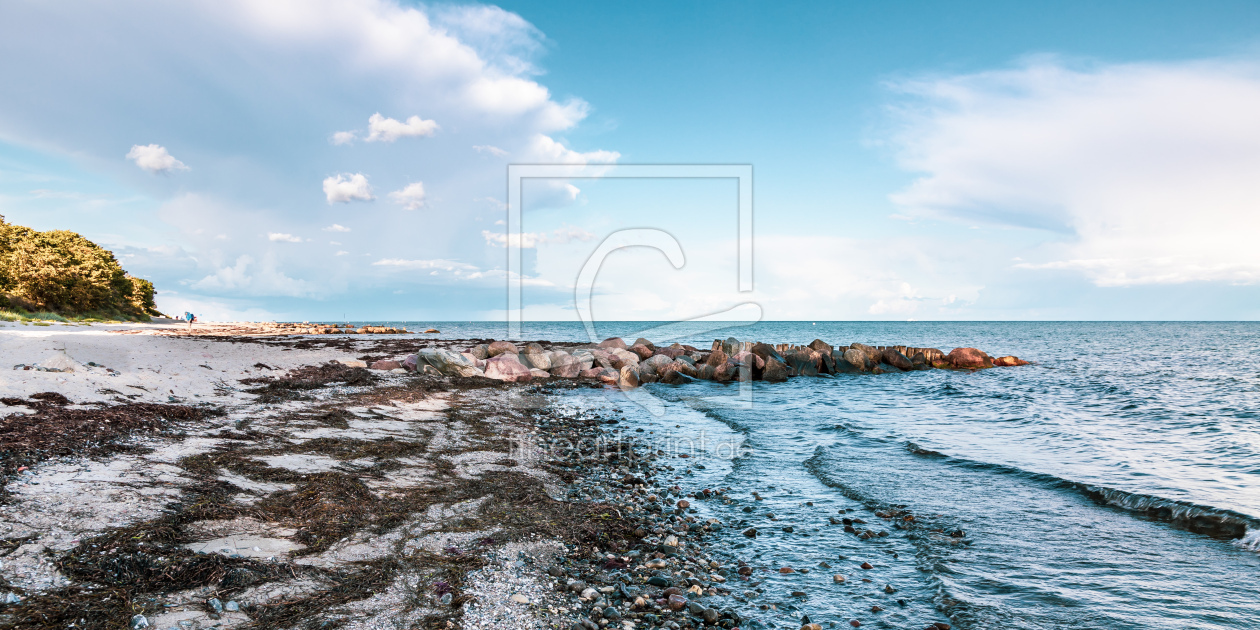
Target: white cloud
point(382, 129)
point(436, 265)
point(411, 197)
point(531, 240)
point(1143, 173)
point(283, 238)
point(343, 137)
point(341, 253)
point(544, 149)
point(491, 149)
point(336, 227)
point(247, 278)
point(347, 187)
point(154, 159)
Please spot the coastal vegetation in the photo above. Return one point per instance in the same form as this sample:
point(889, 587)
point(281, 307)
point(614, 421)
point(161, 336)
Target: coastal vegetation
point(59, 275)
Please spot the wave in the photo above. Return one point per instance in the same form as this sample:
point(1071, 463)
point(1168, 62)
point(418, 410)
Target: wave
point(1201, 519)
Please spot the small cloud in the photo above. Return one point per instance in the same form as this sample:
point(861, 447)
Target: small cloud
point(334, 242)
point(343, 137)
point(411, 197)
point(382, 129)
point(345, 188)
point(342, 253)
point(155, 159)
point(492, 150)
point(531, 240)
point(283, 238)
point(336, 228)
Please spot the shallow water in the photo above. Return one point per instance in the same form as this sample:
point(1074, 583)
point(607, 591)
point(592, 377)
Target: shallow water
point(1114, 483)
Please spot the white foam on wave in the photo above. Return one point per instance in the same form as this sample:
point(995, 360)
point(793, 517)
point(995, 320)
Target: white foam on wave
point(1250, 541)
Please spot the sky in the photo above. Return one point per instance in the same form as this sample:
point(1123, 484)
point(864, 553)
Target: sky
point(348, 159)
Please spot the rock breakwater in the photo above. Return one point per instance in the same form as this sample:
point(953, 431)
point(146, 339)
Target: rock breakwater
point(617, 363)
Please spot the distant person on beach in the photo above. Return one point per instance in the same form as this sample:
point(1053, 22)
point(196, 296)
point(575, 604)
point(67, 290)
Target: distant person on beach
point(190, 317)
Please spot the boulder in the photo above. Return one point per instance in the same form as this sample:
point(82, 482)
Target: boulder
point(766, 352)
point(803, 362)
point(565, 365)
point(537, 357)
point(920, 362)
point(705, 372)
point(591, 372)
point(609, 376)
point(613, 343)
point(653, 364)
point(873, 355)
point(449, 362)
point(716, 358)
point(672, 376)
point(849, 361)
point(621, 358)
point(411, 363)
point(644, 379)
point(885, 368)
point(644, 342)
point(1009, 361)
point(52, 363)
point(480, 363)
point(671, 352)
point(643, 351)
point(893, 357)
point(537, 373)
point(775, 371)
point(481, 351)
point(969, 358)
point(585, 358)
point(728, 371)
point(629, 377)
point(822, 347)
point(429, 370)
point(500, 347)
point(505, 367)
point(384, 364)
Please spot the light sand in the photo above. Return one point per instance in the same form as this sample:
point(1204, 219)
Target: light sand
point(152, 364)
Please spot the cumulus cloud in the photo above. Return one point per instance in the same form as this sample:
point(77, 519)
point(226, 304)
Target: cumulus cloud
point(343, 137)
point(154, 158)
point(283, 238)
point(1139, 173)
point(249, 277)
point(411, 197)
point(382, 129)
point(336, 227)
point(346, 187)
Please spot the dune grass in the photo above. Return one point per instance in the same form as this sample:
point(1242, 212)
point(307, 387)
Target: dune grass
point(47, 317)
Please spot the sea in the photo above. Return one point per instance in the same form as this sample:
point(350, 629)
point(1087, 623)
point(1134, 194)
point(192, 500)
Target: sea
point(1113, 483)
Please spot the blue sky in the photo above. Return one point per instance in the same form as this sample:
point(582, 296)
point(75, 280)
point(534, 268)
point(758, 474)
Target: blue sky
point(314, 160)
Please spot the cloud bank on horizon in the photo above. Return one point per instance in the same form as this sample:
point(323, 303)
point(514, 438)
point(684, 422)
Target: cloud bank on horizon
point(354, 152)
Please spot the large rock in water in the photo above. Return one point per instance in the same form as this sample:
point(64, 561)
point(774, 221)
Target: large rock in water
point(449, 362)
point(873, 355)
point(500, 347)
point(969, 358)
point(766, 352)
point(565, 365)
point(827, 364)
point(803, 362)
point(716, 358)
point(672, 376)
point(613, 343)
point(644, 342)
point(653, 365)
point(893, 357)
point(505, 367)
point(849, 361)
point(481, 351)
point(1009, 361)
point(775, 371)
point(622, 358)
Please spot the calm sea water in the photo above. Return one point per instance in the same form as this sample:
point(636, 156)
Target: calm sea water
point(1114, 483)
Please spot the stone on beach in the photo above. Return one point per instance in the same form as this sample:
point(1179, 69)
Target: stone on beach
point(643, 352)
point(613, 343)
point(505, 367)
point(385, 364)
point(565, 365)
point(449, 362)
point(500, 347)
point(629, 377)
point(535, 357)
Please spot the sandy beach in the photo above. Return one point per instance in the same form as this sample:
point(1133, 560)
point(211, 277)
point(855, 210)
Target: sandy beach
point(177, 481)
